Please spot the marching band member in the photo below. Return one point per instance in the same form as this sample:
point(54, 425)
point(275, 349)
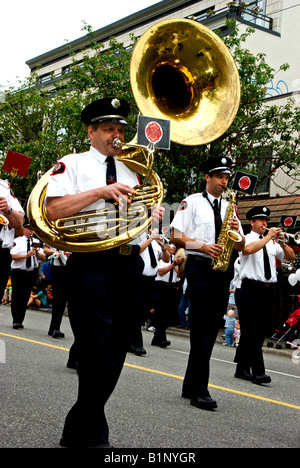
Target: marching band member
point(165, 297)
point(24, 270)
point(195, 228)
point(102, 286)
point(13, 222)
point(152, 250)
point(59, 289)
point(258, 278)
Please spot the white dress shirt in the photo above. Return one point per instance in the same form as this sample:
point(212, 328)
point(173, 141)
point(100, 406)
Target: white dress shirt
point(148, 269)
point(166, 277)
point(252, 266)
point(78, 173)
point(20, 248)
point(7, 234)
point(195, 218)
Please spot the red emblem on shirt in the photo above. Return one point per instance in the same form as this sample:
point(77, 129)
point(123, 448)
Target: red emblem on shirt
point(59, 168)
point(183, 206)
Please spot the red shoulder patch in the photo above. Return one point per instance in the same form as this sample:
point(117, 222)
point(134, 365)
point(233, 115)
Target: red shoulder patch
point(59, 168)
point(183, 206)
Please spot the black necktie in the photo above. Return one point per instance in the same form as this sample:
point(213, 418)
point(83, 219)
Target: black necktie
point(171, 271)
point(111, 174)
point(152, 256)
point(28, 260)
point(266, 262)
point(218, 219)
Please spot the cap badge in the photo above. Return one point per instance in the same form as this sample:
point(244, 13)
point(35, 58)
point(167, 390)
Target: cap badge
point(115, 103)
point(224, 161)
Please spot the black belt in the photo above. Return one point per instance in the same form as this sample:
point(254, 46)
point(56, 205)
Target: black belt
point(126, 250)
point(261, 284)
point(166, 283)
point(24, 271)
point(199, 258)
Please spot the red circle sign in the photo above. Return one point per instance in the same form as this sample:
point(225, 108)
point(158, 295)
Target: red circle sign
point(244, 183)
point(153, 132)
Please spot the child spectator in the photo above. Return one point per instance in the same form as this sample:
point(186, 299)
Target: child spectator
point(230, 325)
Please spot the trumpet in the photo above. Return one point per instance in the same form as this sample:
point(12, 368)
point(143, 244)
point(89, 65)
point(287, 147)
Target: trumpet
point(288, 266)
point(287, 236)
point(162, 239)
point(295, 236)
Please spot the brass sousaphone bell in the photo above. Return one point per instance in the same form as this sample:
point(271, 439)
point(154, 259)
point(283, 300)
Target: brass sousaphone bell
point(181, 71)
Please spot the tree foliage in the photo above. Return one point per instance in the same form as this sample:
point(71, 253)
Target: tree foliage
point(44, 121)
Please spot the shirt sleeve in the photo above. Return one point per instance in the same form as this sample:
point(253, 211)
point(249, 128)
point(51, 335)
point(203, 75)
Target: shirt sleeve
point(62, 178)
point(17, 248)
point(182, 218)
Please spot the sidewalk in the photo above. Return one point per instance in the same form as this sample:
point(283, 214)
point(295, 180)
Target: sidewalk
point(283, 352)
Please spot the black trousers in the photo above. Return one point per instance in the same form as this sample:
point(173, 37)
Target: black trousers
point(5, 261)
point(255, 310)
point(146, 302)
point(165, 304)
point(102, 295)
point(59, 291)
point(22, 282)
point(209, 293)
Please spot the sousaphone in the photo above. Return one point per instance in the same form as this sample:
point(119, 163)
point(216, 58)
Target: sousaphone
point(181, 71)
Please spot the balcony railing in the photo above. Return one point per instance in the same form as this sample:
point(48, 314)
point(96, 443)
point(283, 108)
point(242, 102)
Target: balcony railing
point(250, 15)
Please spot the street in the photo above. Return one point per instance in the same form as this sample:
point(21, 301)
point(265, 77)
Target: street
point(146, 410)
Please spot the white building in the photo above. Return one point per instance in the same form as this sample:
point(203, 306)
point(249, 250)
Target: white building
point(276, 35)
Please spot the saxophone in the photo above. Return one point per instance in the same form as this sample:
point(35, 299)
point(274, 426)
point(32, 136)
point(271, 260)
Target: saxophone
point(227, 237)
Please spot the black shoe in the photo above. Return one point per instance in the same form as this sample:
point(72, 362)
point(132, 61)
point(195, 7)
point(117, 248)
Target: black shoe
point(243, 375)
point(161, 344)
point(64, 443)
point(140, 351)
point(58, 334)
point(204, 402)
point(72, 365)
point(131, 349)
point(260, 379)
point(104, 445)
point(17, 326)
point(164, 344)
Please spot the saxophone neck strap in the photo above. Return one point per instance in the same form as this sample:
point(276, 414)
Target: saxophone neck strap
point(205, 195)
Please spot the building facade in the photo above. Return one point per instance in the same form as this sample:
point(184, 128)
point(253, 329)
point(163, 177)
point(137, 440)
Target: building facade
point(275, 22)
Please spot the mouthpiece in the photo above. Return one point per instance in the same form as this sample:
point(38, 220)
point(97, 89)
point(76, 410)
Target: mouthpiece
point(117, 143)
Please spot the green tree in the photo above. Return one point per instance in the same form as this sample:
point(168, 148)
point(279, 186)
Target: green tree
point(44, 121)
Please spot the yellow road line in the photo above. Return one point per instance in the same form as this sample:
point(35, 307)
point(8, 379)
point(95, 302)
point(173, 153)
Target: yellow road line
point(218, 387)
point(174, 376)
point(33, 341)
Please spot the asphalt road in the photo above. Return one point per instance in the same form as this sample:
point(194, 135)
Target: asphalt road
point(146, 410)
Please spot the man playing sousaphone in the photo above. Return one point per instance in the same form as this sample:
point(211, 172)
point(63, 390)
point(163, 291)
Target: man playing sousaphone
point(103, 286)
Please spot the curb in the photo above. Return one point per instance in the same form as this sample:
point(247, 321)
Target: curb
point(287, 352)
